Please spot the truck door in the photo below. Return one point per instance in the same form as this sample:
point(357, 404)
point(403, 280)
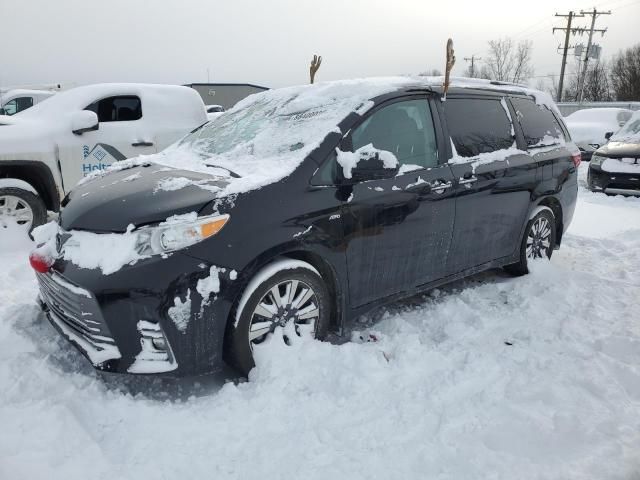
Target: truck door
point(122, 133)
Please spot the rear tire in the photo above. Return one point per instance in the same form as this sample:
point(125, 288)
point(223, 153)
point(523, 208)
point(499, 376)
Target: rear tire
point(538, 241)
point(262, 313)
point(21, 207)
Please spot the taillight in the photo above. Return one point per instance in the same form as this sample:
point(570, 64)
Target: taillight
point(39, 263)
point(577, 158)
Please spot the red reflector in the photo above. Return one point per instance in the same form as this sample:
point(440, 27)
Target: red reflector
point(577, 158)
point(39, 263)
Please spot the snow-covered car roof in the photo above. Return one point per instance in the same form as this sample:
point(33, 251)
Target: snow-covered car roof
point(267, 135)
point(630, 132)
point(182, 103)
point(600, 115)
point(23, 92)
point(590, 125)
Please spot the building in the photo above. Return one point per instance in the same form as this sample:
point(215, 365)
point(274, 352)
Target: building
point(567, 108)
point(225, 94)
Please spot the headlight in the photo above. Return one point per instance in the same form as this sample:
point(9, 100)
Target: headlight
point(178, 233)
point(597, 159)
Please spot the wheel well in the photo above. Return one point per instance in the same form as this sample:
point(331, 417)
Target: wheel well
point(328, 275)
point(317, 262)
point(38, 176)
point(556, 208)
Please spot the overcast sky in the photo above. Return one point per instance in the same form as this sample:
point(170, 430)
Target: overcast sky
point(270, 42)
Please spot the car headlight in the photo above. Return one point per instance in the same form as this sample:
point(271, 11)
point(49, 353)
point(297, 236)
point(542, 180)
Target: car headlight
point(176, 234)
point(597, 159)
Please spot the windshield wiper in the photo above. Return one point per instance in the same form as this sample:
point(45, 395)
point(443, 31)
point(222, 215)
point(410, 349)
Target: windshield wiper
point(231, 172)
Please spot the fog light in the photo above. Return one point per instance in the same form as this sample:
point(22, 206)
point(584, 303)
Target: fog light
point(155, 352)
point(159, 343)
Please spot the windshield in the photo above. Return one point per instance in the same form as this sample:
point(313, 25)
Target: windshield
point(266, 136)
point(630, 131)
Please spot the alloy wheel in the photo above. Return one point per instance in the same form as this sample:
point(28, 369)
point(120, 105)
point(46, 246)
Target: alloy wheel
point(291, 302)
point(539, 238)
point(15, 210)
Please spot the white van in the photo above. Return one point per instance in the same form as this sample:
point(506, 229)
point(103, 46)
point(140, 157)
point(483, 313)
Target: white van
point(19, 99)
point(47, 149)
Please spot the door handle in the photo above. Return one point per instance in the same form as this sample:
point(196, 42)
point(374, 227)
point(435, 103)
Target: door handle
point(142, 144)
point(440, 186)
point(467, 180)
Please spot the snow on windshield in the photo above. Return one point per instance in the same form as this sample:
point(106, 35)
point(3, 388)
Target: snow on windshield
point(266, 136)
point(630, 132)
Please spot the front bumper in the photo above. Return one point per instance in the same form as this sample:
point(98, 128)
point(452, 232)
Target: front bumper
point(126, 323)
point(613, 183)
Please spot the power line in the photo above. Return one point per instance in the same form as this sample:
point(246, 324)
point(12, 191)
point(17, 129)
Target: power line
point(472, 59)
point(567, 30)
point(594, 14)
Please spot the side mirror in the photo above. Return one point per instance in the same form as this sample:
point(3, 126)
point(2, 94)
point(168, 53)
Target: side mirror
point(367, 164)
point(2, 112)
point(84, 121)
point(608, 135)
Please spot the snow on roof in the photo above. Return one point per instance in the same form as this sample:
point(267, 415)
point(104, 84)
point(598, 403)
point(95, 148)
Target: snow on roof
point(19, 92)
point(599, 115)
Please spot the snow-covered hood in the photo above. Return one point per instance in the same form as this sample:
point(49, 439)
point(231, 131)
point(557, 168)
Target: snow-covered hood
point(26, 140)
point(138, 196)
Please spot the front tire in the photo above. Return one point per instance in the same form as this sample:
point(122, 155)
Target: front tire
point(292, 299)
point(538, 241)
point(22, 208)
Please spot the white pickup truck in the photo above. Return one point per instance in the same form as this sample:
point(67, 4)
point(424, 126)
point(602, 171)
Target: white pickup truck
point(47, 149)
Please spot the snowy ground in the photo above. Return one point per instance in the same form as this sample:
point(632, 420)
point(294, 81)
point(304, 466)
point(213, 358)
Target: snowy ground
point(493, 377)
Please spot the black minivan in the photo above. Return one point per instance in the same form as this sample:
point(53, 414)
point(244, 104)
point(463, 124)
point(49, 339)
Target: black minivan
point(298, 210)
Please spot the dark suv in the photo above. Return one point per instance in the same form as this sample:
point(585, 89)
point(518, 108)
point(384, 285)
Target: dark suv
point(300, 209)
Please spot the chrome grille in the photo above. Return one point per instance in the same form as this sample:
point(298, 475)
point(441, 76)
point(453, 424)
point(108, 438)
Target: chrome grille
point(76, 309)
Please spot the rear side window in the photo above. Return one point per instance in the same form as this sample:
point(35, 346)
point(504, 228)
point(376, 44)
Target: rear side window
point(403, 128)
point(123, 108)
point(538, 124)
point(24, 103)
point(478, 125)
point(17, 105)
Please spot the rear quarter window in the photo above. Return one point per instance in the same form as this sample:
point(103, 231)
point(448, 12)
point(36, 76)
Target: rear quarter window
point(538, 123)
point(478, 125)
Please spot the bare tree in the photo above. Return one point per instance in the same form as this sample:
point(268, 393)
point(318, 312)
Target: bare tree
point(433, 72)
point(507, 62)
point(625, 74)
point(596, 83)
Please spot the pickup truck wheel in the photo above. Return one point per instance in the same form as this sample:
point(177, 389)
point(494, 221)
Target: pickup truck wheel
point(289, 303)
point(538, 242)
point(22, 208)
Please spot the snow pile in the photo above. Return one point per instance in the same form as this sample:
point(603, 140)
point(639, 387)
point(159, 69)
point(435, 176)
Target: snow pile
point(349, 160)
point(492, 377)
point(211, 284)
point(107, 251)
point(180, 312)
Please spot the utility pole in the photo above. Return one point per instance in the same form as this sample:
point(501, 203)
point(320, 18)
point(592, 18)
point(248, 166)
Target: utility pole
point(472, 59)
point(567, 31)
point(594, 14)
